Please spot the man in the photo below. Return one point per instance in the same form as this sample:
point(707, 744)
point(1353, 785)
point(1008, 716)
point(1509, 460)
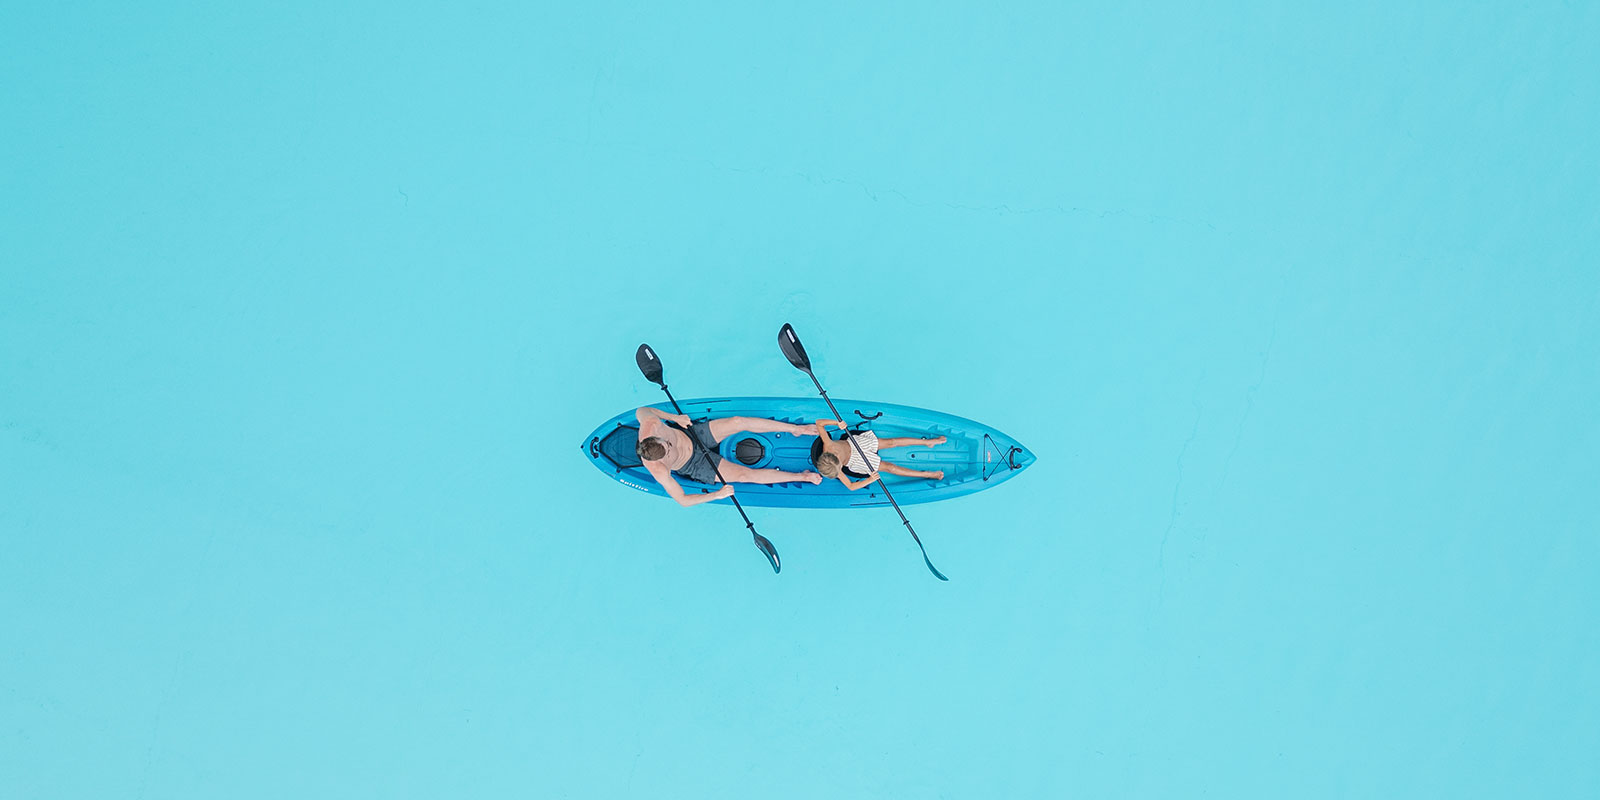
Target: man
point(666, 450)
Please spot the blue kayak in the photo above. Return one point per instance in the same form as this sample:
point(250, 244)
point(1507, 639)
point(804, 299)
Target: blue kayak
point(973, 457)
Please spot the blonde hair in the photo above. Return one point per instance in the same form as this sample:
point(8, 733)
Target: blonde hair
point(828, 465)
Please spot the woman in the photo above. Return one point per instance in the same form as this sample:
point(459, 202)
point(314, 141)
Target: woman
point(832, 454)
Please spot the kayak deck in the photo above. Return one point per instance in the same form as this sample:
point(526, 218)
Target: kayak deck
point(973, 457)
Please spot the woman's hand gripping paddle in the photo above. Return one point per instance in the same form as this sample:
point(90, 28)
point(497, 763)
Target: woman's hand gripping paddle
point(796, 353)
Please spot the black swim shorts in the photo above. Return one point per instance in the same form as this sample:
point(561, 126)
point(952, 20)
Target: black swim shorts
point(702, 464)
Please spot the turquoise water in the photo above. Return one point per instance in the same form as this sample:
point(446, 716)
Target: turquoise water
point(302, 309)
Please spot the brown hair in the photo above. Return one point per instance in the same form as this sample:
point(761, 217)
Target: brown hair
point(828, 465)
point(651, 449)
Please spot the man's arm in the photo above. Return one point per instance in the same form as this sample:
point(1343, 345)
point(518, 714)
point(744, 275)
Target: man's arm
point(664, 477)
point(647, 413)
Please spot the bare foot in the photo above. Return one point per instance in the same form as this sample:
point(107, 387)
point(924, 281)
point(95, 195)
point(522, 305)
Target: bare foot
point(811, 478)
point(934, 442)
point(938, 475)
point(802, 430)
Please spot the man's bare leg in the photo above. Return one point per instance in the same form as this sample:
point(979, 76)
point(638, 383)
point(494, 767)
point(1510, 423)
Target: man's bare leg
point(739, 473)
point(728, 426)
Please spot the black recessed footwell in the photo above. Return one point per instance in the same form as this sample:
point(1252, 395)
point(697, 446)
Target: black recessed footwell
point(749, 451)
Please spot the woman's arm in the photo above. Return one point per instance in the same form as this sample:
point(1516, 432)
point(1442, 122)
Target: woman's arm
point(822, 426)
point(863, 484)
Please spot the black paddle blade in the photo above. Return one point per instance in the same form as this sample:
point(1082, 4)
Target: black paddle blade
point(769, 551)
point(925, 559)
point(792, 349)
point(648, 363)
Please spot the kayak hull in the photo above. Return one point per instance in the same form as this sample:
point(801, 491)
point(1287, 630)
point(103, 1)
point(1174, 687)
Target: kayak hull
point(974, 456)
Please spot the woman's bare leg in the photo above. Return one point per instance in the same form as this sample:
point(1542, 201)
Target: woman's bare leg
point(728, 426)
point(739, 473)
point(895, 469)
point(907, 441)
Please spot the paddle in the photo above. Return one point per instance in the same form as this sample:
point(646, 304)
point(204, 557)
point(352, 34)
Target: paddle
point(651, 367)
point(796, 353)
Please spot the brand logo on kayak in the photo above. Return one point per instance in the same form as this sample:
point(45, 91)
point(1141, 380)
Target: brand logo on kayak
point(634, 485)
